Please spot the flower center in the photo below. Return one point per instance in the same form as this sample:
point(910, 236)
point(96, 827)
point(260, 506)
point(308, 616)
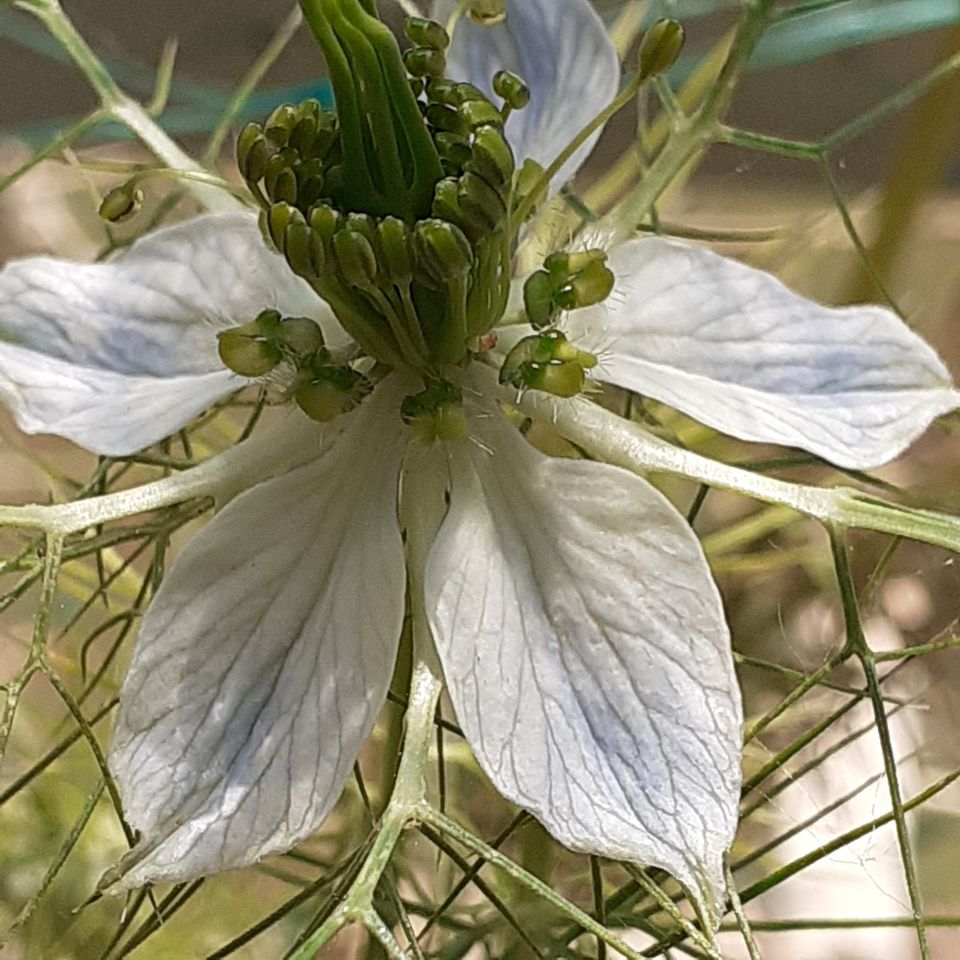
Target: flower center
point(397, 207)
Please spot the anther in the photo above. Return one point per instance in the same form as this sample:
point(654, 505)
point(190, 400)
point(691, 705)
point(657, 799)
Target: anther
point(511, 89)
point(660, 48)
point(121, 204)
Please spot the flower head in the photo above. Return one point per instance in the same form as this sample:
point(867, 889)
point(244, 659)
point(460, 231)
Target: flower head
point(582, 639)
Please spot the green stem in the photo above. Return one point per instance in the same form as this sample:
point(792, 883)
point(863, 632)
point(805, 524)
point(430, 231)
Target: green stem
point(422, 510)
point(693, 134)
point(119, 106)
point(861, 649)
point(608, 437)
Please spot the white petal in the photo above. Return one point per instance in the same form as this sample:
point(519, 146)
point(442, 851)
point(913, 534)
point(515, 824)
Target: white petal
point(735, 348)
point(118, 355)
point(264, 660)
point(586, 654)
point(562, 51)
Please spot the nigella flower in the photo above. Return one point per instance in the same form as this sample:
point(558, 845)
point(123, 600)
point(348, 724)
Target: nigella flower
point(582, 639)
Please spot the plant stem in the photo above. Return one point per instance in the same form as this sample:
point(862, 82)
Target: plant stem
point(121, 107)
point(610, 438)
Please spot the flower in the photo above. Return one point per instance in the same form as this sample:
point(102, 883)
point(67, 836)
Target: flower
point(581, 636)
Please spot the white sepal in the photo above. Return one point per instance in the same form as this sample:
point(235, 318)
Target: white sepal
point(585, 650)
point(736, 349)
point(118, 355)
point(264, 660)
point(561, 50)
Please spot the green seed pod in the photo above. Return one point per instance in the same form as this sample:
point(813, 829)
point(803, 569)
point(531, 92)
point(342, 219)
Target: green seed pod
point(424, 62)
point(426, 33)
point(121, 204)
point(394, 247)
point(511, 89)
point(355, 258)
point(492, 157)
point(301, 335)
point(538, 299)
point(660, 48)
point(443, 249)
point(590, 286)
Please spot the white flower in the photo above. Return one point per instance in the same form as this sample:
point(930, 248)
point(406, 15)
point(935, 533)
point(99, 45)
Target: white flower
point(581, 636)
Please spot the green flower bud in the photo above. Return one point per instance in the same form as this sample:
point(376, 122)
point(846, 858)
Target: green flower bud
point(355, 258)
point(443, 249)
point(426, 33)
point(121, 204)
point(251, 349)
point(395, 253)
point(511, 89)
point(660, 48)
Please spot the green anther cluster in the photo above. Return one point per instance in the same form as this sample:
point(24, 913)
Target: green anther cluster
point(322, 387)
point(547, 361)
point(568, 281)
point(397, 208)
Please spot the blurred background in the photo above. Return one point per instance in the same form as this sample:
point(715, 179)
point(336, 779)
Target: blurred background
point(895, 183)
